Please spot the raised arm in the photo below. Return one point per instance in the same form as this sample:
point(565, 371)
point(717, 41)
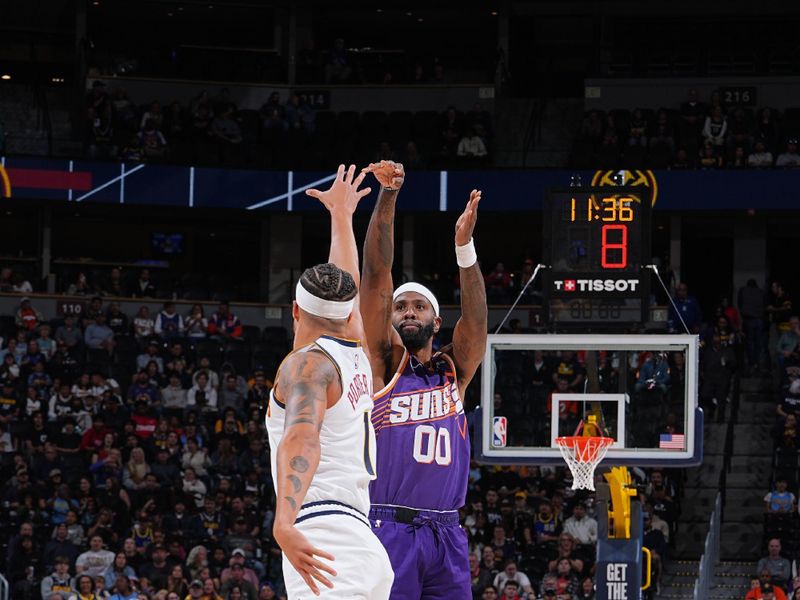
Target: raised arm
point(310, 380)
point(377, 285)
point(469, 335)
point(341, 200)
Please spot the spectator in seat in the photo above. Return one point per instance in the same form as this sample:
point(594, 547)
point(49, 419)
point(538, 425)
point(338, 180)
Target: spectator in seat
point(27, 317)
point(154, 114)
point(779, 568)
point(113, 285)
point(779, 308)
point(738, 160)
point(152, 141)
point(150, 355)
point(760, 157)
point(511, 573)
point(101, 134)
point(237, 580)
point(663, 133)
point(789, 343)
point(715, 128)
point(681, 160)
point(300, 115)
point(638, 129)
point(580, 526)
point(58, 585)
point(780, 501)
point(143, 324)
point(169, 324)
point(225, 129)
point(790, 158)
point(195, 323)
point(202, 395)
point(99, 336)
point(225, 324)
point(489, 593)
point(273, 115)
point(785, 433)
point(117, 320)
point(653, 373)
point(511, 591)
point(132, 151)
point(710, 158)
point(499, 284)
point(471, 145)
point(95, 560)
point(143, 287)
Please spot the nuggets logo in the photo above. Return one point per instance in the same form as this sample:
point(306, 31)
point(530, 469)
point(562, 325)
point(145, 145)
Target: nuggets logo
point(646, 180)
point(5, 182)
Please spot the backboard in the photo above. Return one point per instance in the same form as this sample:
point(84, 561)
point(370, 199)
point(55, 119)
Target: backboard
point(641, 390)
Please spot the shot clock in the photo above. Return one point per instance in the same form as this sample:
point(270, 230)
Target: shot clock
point(596, 241)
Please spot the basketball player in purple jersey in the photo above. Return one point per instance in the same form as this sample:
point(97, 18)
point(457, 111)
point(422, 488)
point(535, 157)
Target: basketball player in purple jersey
point(423, 448)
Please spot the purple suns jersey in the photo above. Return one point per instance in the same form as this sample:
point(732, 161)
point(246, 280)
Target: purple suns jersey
point(422, 439)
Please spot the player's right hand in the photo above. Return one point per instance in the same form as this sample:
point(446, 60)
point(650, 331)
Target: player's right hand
point(388, 173)
point(301, 554)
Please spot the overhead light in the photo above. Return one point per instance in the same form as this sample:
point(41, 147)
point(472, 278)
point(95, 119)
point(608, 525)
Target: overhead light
point(5, 76)
point(57, 79)
point(169, 14)
point(420, 20)
point(379, 10)
point(96, 3)
point(409, 14)
point(494, 13)
point(180, 8)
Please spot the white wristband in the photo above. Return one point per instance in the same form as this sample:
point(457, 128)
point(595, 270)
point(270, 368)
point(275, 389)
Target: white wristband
point(466, 255)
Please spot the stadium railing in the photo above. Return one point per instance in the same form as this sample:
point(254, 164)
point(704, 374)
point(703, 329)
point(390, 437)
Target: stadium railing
point(710, 557)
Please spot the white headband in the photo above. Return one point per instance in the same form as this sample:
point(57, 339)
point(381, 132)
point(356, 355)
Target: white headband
point(327, 309)
point(421, 290)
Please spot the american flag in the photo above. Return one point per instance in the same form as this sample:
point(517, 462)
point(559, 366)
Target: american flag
point(672, 441)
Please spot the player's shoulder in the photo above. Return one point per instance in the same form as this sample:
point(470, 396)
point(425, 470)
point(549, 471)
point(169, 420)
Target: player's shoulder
point(309, 364)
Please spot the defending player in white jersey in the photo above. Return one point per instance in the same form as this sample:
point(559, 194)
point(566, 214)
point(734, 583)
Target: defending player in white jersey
point(321, 437)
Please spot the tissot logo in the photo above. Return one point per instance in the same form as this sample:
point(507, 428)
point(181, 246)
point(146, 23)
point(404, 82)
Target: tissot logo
point(596, 285)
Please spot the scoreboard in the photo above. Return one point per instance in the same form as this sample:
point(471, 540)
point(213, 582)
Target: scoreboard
point(596, 242)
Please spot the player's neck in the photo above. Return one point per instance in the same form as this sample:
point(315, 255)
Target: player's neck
point(423, 355)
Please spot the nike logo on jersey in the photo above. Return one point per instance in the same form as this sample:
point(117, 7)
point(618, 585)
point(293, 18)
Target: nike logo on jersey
point(423, 406)
point(358, 387)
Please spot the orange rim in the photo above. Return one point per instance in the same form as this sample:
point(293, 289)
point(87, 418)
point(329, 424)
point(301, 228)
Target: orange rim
point(581, 442)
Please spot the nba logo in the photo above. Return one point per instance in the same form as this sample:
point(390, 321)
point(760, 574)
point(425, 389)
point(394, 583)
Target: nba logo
point(499, 432)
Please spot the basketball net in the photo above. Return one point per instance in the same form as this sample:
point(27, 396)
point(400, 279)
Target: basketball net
point(583, 453)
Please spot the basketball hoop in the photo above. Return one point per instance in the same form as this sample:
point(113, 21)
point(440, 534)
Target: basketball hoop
point(583, 454)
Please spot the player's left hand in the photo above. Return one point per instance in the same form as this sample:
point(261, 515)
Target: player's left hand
point(466, 222)
point(343, 196)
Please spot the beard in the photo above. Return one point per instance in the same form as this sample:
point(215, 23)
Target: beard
point(415, 338)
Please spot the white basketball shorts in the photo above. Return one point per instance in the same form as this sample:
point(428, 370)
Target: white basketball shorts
point(363, 570)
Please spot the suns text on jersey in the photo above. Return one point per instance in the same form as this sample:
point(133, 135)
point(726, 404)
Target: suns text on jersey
point(425, 405)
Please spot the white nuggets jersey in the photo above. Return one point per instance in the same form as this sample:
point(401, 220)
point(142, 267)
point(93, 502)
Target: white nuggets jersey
point(347, 438)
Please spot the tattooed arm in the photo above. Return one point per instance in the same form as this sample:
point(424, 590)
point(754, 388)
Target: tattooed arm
point(377, 287)
point(469, 335)
point(308, 383)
